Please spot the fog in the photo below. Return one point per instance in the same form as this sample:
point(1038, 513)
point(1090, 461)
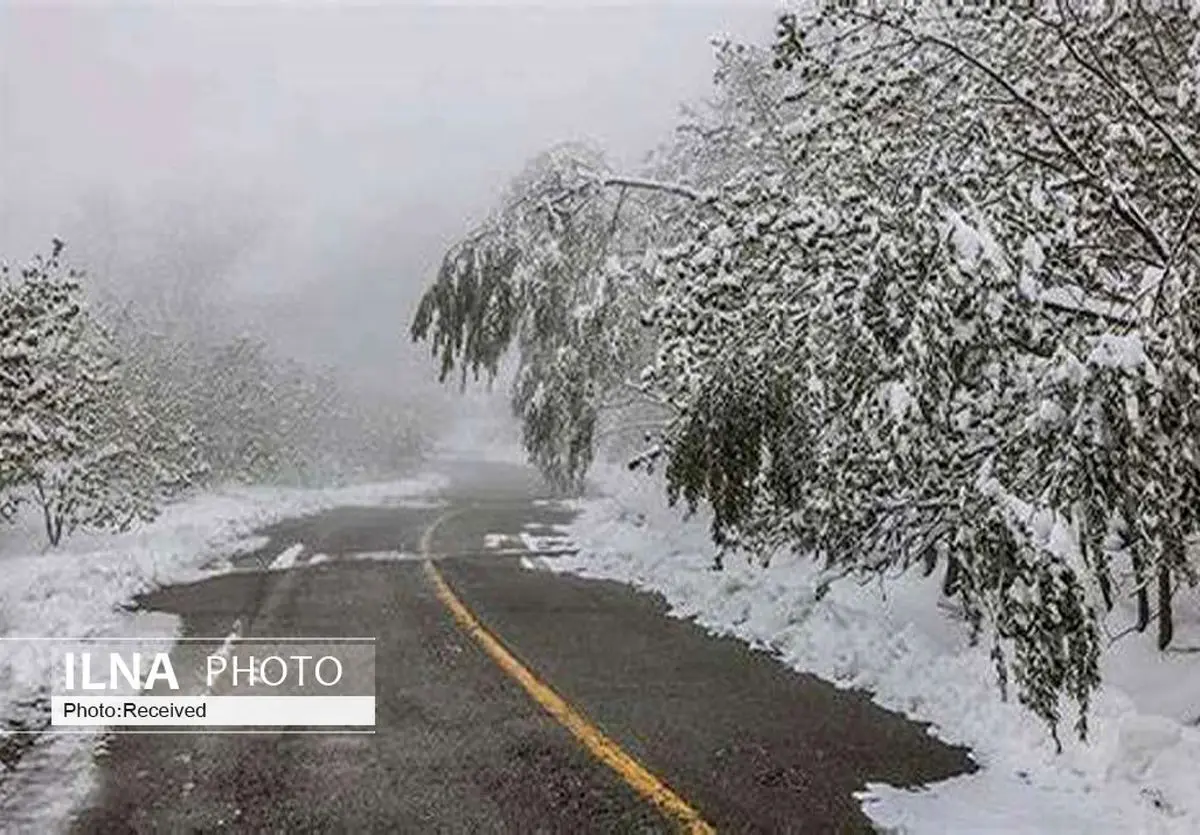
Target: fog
point(305, 166)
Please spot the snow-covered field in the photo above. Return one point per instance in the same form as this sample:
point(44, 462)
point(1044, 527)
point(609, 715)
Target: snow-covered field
point(80, 589)
point(1139, 773)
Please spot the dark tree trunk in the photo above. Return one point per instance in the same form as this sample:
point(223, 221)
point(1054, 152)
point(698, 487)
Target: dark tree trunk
point(1106, 590)
point(1166, 624)
point(1105, 580)
point(53, 526)
point(950, 581)
point(1143, 596)
point(930, 562)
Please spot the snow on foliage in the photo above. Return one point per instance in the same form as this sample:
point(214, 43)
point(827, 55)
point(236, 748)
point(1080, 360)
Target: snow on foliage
point(898, 306)
point(71, 443)
point(107, 412)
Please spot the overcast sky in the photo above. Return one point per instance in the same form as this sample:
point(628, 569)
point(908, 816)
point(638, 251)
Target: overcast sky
point(312, 161)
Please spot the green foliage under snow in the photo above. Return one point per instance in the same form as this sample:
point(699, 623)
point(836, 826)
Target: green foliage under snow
point(919, 286)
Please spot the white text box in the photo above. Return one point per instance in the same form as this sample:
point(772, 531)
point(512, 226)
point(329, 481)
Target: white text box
point(237, 711)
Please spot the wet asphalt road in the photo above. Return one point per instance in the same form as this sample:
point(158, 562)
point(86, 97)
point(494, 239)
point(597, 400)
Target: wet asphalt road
point(460, 747)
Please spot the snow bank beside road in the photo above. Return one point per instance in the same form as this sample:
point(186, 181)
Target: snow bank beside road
point(1139, 773)
point(79, 591)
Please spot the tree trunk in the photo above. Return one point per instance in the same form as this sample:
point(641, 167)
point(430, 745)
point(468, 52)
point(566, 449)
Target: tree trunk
point(1143, 596)
point(48, 517)
point(1166, 625)
point(950, 581)
point(1105, 580)
point(930, 562)
point(1106, 591)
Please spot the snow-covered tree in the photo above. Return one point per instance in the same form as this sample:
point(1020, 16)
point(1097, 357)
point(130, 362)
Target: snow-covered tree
point(56, 447)
point(82, 436)
point(923, 294)
point(108, 410)
point(1074, 199)
point(549, 273)
point(154, 377)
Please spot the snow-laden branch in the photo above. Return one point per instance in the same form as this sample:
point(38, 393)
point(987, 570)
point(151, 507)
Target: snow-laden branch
point(1073, 299)
point(653, 185)
point(1096, 68)
point(1123, 207)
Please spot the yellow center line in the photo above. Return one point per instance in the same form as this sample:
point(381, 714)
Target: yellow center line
point(592, 738)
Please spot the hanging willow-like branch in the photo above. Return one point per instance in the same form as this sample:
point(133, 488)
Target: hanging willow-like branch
point(470, 312)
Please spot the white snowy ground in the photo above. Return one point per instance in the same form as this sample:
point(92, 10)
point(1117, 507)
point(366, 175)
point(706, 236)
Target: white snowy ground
point(79, 591)
point(1139, 773)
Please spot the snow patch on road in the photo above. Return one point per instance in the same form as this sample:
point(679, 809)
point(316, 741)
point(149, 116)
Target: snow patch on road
point(1139, 773)
point(223, 653)
point(492, 541)
point(387, 556)
point(545, 542)
point(287, 558)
